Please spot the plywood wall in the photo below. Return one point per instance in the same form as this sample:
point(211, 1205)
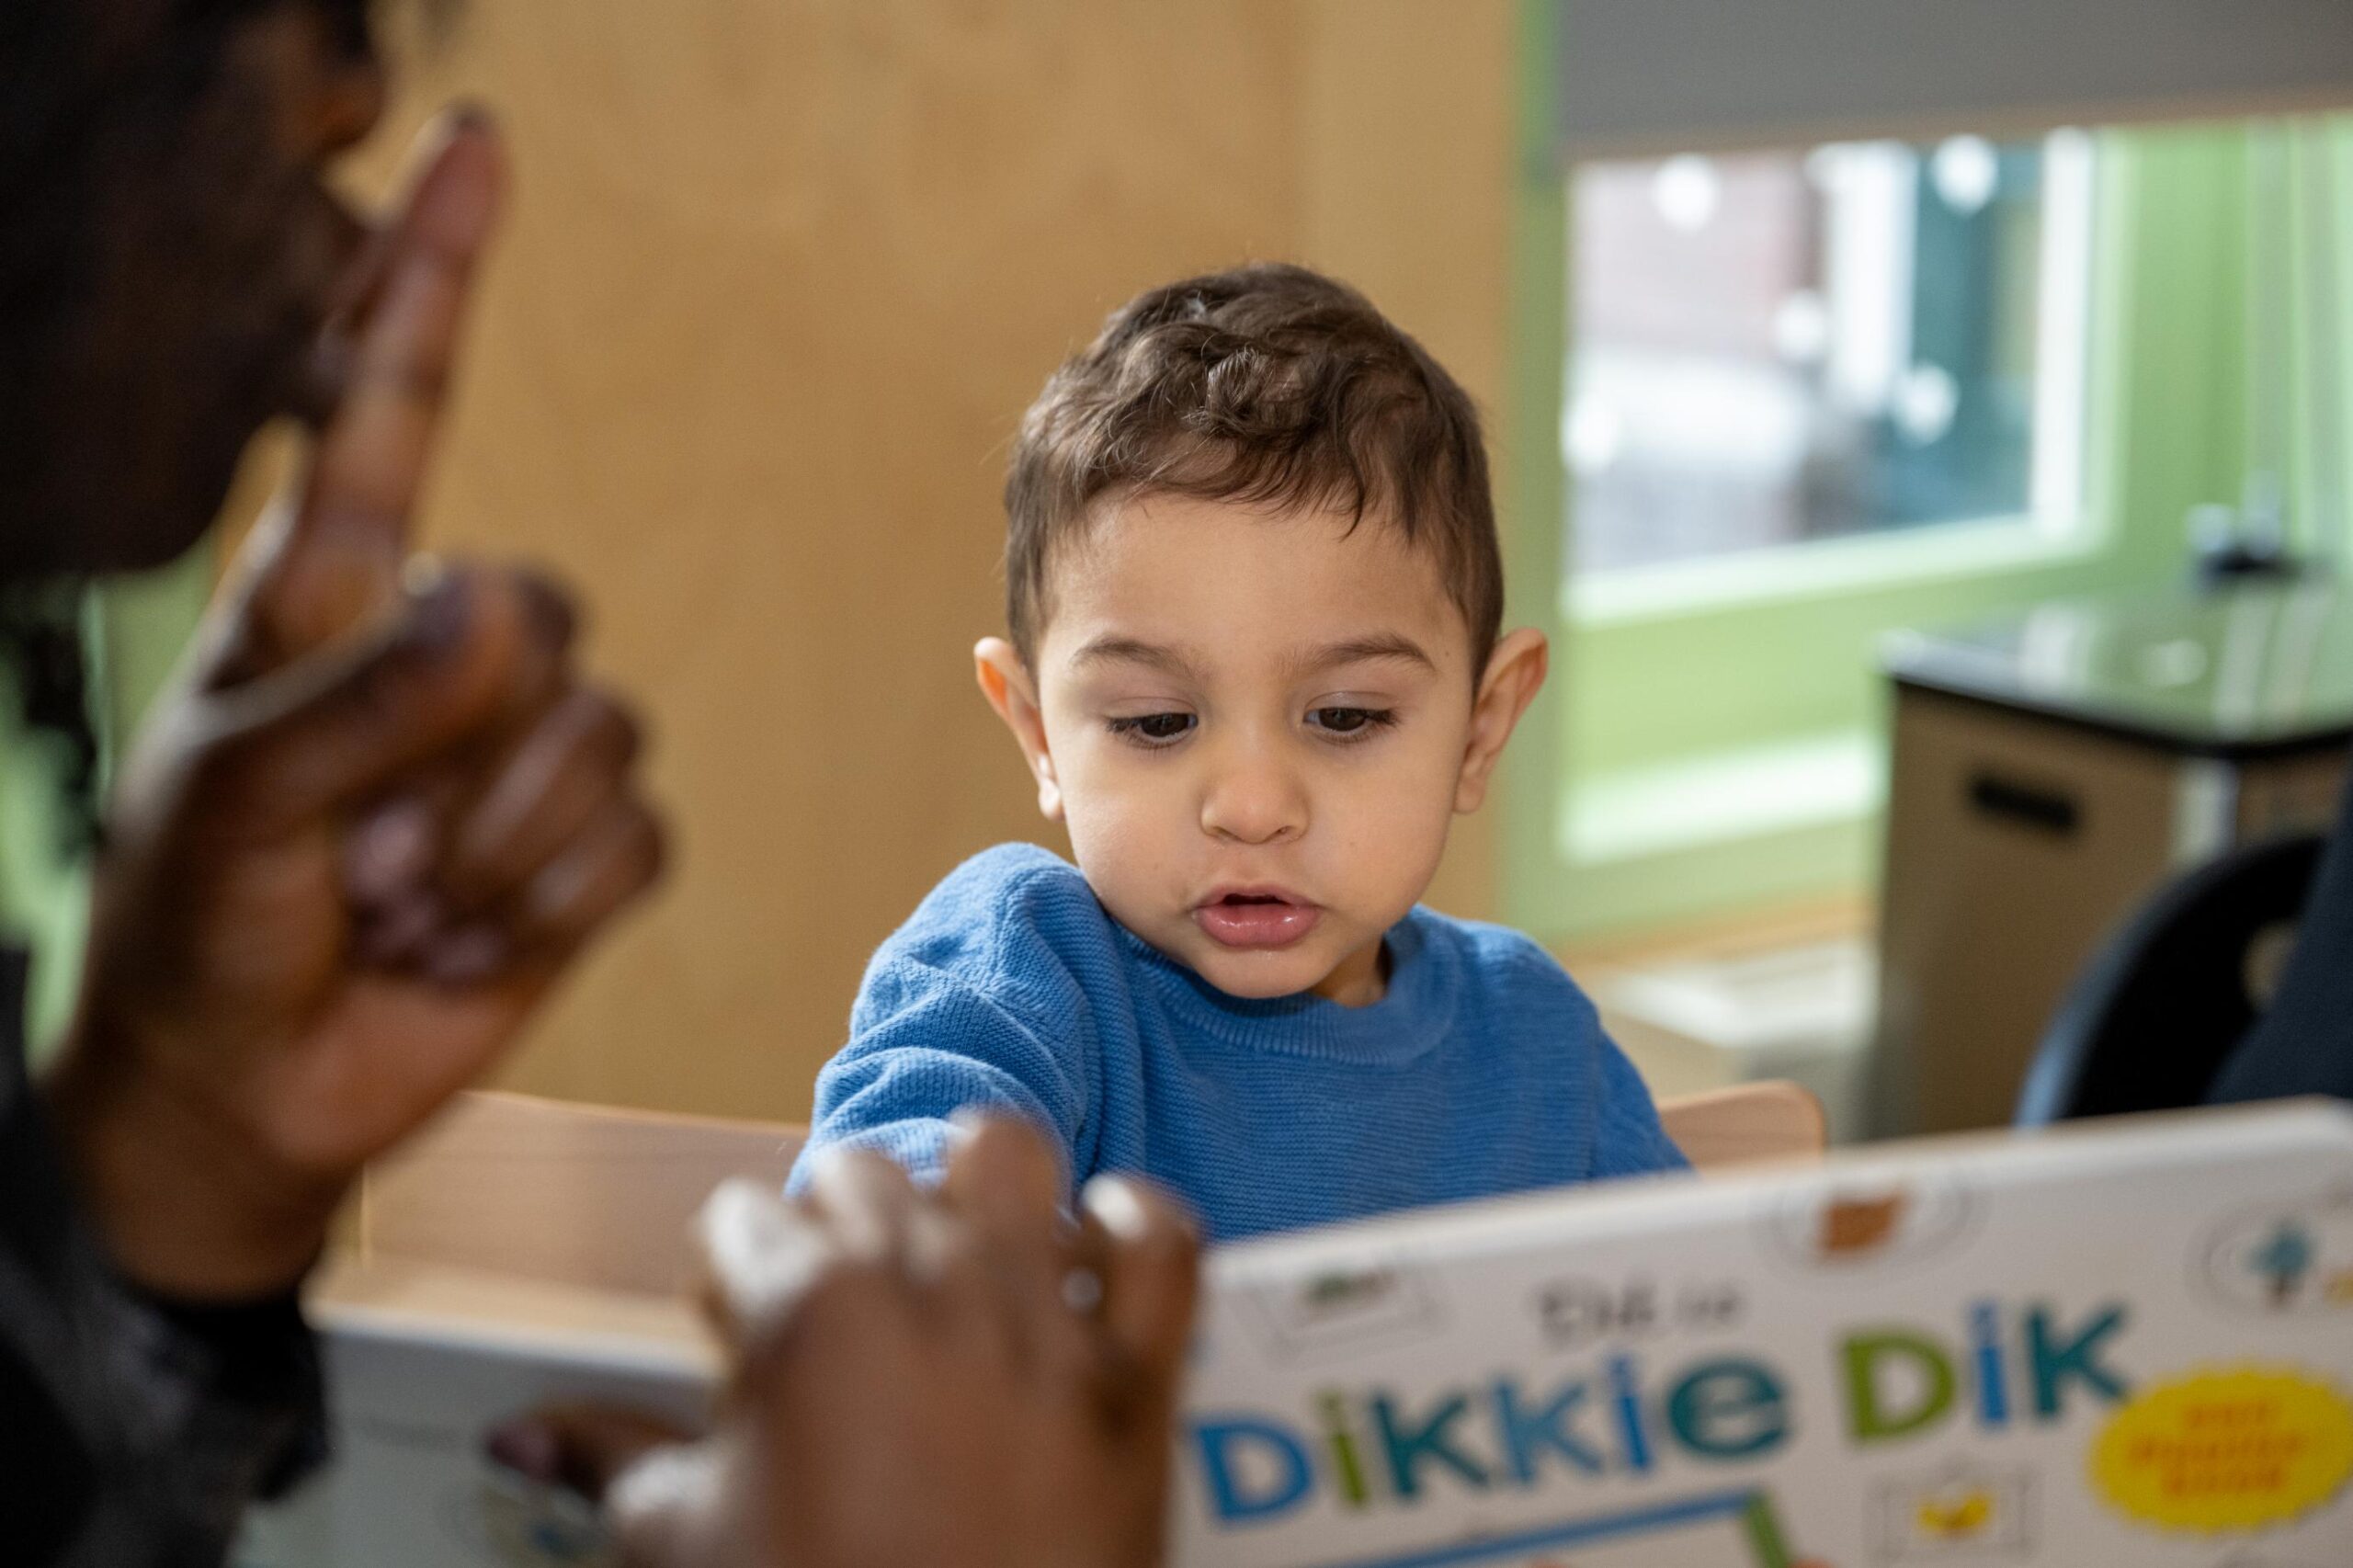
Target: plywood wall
point(781, 277)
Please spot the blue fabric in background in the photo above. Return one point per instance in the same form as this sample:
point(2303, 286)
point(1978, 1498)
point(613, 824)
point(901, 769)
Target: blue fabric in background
point(1484, 1070)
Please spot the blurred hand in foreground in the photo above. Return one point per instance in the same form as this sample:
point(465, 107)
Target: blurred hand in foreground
point(360, 842)
point(958, 1379)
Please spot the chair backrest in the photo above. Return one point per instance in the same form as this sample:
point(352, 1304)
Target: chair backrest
point(2166, 998)
point(1747, 1124)
point(586, 1195)
point(572, 1194)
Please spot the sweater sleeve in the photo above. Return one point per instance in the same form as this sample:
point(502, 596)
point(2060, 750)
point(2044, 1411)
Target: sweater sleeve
point(1628, 1137)
point(975, 1004)
point(1547, 1008)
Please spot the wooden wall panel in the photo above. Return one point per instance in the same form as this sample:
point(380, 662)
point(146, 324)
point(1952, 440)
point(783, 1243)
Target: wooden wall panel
point(1405, 190)
point(782, 275)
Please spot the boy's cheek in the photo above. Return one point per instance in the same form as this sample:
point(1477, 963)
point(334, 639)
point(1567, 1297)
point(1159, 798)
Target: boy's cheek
point(1093, 790)
point(1410, 797)
point(1119, 842)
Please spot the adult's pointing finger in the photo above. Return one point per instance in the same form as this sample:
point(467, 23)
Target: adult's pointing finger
point(338, 556)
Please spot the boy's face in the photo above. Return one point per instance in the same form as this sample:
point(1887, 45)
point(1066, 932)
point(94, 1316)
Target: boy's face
point(1258, 727)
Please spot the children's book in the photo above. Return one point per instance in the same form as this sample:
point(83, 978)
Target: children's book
point(2127, 1344)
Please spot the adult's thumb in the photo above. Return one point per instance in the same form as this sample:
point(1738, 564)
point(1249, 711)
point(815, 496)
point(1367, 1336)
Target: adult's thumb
point(457, 654)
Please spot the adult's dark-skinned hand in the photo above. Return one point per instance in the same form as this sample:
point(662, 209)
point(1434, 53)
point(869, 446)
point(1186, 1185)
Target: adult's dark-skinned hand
point(359, 843)
point(961, 1380)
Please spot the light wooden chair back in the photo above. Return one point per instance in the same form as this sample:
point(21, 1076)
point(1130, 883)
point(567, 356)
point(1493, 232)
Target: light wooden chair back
point(572, 1194)
point(583, 1195)
point(1747, 1124)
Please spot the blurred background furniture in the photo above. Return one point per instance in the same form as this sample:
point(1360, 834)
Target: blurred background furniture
point(2050, 771)
point(1788, 999)
point(2169, 997)
point(2231, 985)
point(577, 1195)
point(1747, 1124)
point(605, 1198)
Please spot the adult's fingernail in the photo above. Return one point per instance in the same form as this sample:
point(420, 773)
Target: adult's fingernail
point(764, 1253)
point(1114, 1201)
point(388, 852)
point(440, 604)
point(670, 1506)
point(457, 202)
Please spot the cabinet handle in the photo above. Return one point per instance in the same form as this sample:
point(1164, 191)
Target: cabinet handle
point(2025, 804)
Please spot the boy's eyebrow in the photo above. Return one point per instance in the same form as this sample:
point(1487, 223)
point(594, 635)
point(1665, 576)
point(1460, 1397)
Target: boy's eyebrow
point(1110, 650)
point(1363, 650)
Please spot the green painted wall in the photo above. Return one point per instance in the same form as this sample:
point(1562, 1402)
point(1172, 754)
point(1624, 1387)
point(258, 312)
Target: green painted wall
point(134, 630)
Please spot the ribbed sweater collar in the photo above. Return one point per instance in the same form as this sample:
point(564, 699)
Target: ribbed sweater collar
point(1425, 979)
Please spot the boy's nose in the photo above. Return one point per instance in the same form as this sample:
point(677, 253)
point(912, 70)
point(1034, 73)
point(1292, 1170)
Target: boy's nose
point(1253, 800)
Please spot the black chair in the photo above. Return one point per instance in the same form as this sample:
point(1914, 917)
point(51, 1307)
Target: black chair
point(2156, 1019)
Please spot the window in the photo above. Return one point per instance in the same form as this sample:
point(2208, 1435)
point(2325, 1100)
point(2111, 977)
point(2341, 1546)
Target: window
point(1774, 349)
point(1806, 398)
point(1770, 407)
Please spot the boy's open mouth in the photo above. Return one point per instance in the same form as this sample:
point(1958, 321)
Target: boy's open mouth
point(1254, 918)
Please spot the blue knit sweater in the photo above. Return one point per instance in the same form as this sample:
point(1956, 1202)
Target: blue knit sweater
point(1483, 1069)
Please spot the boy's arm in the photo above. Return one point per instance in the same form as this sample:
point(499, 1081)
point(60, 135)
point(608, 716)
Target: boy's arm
point(924, 1045)
point(1628, 1139)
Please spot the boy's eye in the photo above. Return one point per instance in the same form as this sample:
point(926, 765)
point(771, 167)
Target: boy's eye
point(1155, 729)
point(1351, 721)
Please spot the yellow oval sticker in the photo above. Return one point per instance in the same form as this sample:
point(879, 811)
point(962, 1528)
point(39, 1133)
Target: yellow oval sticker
point(2231, 1449)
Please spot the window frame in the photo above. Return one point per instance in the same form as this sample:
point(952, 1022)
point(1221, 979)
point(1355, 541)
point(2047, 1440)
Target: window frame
point(2061, 522)
point(1639, 676)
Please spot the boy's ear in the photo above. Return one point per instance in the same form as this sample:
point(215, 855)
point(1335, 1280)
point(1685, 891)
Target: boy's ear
point(1514, 673)
point(1005, 681)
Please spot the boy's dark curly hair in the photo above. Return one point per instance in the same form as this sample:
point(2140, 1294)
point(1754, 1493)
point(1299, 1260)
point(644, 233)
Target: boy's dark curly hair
point(1268, 385)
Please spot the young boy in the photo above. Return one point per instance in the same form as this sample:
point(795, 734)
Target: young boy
point(1254, 595)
